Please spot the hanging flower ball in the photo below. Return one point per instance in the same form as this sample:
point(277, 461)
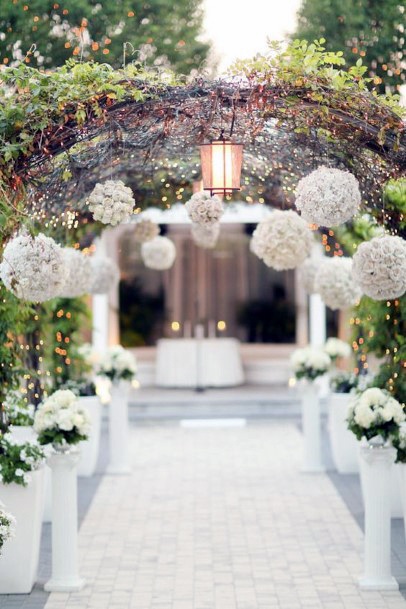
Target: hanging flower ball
point(282, 240)
point(105, 275)
point(111, 202)
point(205, 235)
point(335, 284)
point(308, 271)
point(380, 267)
point(204, 209)
point(145, 230)
point(159, 253)
point(33, 267)
point(78, 274)
point(328, 196)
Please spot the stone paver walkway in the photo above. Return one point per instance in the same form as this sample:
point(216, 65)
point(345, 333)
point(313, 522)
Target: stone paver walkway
point(220, 518)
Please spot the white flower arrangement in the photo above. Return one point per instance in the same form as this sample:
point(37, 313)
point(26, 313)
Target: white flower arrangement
point(145, 230)
point(335, 284)
point(18, 412)
point(203, 208)
point(282, 240)
point(33, 267)
point(380, 267)
point(310, 362)
point(17, 461)
point(205, 235)
point(334, 347)
point(105, 275)
point(111, 202)
point(159, 253)
point(7, 526)
point(375, 412)
point(78, 274)
point(328, 196)
point(308, 271)
point(61, 420)
point(118, 364)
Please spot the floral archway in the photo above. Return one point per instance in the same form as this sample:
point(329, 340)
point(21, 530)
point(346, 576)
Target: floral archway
point(64, 131)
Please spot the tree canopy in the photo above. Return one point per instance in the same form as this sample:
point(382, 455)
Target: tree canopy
point(159, 32)
point(371, 29)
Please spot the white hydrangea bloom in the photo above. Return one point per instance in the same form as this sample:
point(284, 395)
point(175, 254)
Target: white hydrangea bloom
point(328, 196)
point(205, 235)
point(204, 208)
point(310, 362)
point(335, 284)
point(308, 271)
point(62, 410)
point(118, 363)
point(375, 407)
point(33, 267)
point(282, 240)
point(145, 230)
point(78, 274)
point(111, 202)
point(105, 274)
point(335, 347)
point(380, 267)
point(159, 253)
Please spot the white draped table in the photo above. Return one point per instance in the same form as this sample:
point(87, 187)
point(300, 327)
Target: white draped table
point(198, 363)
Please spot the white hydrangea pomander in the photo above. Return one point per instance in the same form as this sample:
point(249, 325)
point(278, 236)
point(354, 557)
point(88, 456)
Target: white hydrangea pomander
point(78, 274)
point(111, 202)
point(105, 274)
point(335, 284)
point(379, 267)
point(159, 253)
point(282, 240)
point(145, 230)
point(308, 271)
point(32, 268)
point(205, 235)
point(204, 209)
point(328, 196)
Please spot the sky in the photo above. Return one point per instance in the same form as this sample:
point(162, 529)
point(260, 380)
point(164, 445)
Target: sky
point(239, 28)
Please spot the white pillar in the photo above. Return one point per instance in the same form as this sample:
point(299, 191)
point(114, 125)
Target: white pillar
point(100, 309)
point(376, 464)
point(311, 425)
point(65, 573)
point(317, 320)
point(119, 460)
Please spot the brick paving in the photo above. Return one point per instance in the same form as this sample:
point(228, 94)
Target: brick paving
point(220, 518)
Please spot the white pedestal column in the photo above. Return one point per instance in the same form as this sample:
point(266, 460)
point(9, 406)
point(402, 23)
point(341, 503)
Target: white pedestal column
point(311, 424)
point(65, 573)
point(119, 461)
point(317, 320)
point(100, 314)
point(376, 464)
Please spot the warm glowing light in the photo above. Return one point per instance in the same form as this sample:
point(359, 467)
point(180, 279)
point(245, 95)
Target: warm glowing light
point(221, 166)
point(175, 325)
point(221, 326)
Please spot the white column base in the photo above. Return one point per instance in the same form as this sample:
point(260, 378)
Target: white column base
point(311, 424)
point(373, 584)
point(74, 585)
point(119, 459)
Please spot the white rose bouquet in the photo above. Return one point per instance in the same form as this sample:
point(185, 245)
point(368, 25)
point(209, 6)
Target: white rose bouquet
point(334, 347)
point(7, 526)
point(203, 208)
point(118, 364)
point(61, 420)
point(18, 412)
point(310, 362)
point(375, 412)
